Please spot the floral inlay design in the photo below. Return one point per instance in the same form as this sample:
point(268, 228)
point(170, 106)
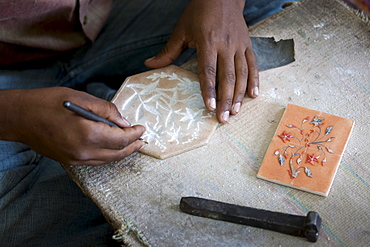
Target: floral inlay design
point(171, 108)
point(306, 150)
point(307, 146)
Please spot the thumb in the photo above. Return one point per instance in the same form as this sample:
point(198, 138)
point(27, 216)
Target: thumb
point(167, 55)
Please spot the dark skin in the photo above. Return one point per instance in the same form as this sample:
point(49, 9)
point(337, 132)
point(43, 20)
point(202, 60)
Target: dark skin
point(216, 28)
point(47, 127)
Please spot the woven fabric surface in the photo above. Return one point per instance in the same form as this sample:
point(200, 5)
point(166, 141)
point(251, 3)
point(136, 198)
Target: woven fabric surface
point(140, 195)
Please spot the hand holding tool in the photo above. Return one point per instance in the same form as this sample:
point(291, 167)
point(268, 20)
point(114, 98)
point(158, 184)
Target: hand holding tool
point(91, 116)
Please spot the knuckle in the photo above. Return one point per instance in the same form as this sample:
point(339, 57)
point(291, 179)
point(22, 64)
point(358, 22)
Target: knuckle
point(90, 138)
point(249, 50)
point(122, 145)
point(230, 77)
point(253, 80)
point(228, 101)
point(208, 89)
point(112, 107)
point(82, 156)
point(254, 69)
point(210, 36)
point(166, 53)
point(244, 71)
point(76, 157)
point(241, 94)
point(123, 154)
point(209, 71)
point(228, 40)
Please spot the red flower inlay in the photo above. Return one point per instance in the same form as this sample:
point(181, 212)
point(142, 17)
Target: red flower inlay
point(308, 135)
point(285, 136)
point(311, 159)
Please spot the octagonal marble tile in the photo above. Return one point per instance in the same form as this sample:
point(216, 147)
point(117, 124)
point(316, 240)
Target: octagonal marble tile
point(168, 102)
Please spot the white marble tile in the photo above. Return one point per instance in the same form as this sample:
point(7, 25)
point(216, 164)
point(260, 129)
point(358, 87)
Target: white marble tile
point(169, 104)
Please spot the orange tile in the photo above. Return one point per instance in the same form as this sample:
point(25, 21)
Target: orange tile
point(306, 150)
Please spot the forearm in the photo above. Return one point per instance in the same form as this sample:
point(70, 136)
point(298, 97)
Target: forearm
point(220, 3)
point(10, 102)
point(242, 3)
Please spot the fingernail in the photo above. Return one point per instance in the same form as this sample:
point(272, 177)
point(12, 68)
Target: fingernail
point(144, 143)
point(141, 139)
point(212, 103)
point(126, 121)
point(225, 116)
point(149, 59)
point(237, 107)
point(255, 92)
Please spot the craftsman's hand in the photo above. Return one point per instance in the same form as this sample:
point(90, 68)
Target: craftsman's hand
point(226, 62)
point(40, 121)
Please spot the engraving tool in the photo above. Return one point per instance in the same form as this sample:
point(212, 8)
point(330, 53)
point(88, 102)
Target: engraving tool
point(91, 116)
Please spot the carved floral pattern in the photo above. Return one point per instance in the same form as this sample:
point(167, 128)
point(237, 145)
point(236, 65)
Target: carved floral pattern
point(170, 105)
point(307, 145)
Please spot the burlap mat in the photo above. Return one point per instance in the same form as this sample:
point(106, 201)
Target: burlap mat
point(140, 194)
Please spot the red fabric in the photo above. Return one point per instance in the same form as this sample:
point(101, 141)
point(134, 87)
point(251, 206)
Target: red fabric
point(363, 5)
point(93, 15)
point(33, 29)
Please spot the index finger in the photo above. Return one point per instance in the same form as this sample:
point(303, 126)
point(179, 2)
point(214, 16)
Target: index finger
point(118, 139)
point(207, 68)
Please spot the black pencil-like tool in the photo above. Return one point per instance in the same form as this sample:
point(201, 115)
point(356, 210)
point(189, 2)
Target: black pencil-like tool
point(90, 115)
point(87, 114)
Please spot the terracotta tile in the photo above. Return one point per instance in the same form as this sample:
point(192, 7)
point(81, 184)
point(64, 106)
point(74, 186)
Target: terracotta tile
point(169, 104)
point(306, 150)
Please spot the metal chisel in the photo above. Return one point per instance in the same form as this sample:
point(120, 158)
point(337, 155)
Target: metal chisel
point(304, 226)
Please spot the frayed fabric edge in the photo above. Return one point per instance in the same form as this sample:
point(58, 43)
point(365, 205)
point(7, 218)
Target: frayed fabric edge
point(130, 235)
